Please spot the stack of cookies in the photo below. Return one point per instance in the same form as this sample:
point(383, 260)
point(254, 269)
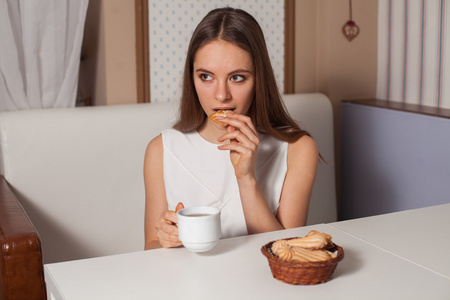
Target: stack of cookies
point(315, 246)
point(311, 259)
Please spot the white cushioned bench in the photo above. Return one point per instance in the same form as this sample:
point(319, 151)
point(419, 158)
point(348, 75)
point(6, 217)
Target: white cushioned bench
point(78, 172)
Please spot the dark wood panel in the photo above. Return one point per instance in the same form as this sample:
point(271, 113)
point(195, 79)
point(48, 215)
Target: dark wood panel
point(407, 107)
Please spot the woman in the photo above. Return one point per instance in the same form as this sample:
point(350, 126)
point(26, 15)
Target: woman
point(259, 169)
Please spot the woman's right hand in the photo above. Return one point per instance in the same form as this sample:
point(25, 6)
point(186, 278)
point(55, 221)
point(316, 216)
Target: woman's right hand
point(167, 230)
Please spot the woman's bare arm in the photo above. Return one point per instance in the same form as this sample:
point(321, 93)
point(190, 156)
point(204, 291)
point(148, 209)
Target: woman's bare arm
point(303, 157)
point(160, 228)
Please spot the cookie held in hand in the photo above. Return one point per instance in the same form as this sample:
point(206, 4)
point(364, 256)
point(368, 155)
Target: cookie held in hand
point(220, 113)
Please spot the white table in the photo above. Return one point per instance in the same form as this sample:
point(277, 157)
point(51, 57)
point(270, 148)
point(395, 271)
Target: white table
point(374, 267)
point(421, 236)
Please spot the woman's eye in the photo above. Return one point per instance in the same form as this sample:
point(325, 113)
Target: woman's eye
point(205, 77)
point(237, 78)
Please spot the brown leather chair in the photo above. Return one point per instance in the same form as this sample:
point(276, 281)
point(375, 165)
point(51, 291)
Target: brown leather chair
point(21, 256)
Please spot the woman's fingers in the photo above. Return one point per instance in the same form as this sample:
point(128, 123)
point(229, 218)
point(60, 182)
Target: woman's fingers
point(245, 137)
point(166, 229)
point(242, 124)
point(179, 207)
point(169, 217)
point(243, 119)
point(241, 133)
point(237, 140)
point(243, 145)
point(244, 152)
point(167, 235)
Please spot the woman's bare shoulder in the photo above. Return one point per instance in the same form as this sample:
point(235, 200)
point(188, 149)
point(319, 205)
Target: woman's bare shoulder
point(303, 154)
point(154, 148)
point(306, 145)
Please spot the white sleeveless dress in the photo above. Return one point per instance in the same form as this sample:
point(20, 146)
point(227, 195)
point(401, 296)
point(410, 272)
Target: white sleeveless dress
point(197, 173)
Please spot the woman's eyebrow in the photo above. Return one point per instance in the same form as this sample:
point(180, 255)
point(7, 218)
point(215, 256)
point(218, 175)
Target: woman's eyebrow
point(203, 70)
point(240, 71)
point(232, 72)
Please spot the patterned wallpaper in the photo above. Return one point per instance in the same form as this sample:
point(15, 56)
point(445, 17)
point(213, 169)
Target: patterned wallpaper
point(171, 23)
point(414, 52)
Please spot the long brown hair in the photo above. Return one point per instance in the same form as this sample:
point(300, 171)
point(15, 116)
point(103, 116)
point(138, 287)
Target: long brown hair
point(267, 110)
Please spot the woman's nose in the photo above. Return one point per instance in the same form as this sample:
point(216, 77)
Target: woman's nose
point(222, 92)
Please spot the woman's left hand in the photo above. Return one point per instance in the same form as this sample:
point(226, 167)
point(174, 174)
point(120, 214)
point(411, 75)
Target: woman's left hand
point(243, 146)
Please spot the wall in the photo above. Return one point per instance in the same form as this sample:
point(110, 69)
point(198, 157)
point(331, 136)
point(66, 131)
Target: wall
point(386, 167)
point(172, 23)
point(306, 46)
point(327, 62)
point(108, 70)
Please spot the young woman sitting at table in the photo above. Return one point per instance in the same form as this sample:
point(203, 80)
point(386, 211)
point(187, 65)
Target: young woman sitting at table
point(259, 169)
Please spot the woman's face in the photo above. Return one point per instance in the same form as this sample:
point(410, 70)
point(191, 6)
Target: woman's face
point(224, 77)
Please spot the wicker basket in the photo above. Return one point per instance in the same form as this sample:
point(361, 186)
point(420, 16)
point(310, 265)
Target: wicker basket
point(304, 273)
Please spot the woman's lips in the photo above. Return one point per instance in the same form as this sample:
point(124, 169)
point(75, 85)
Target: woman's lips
point(223, 108)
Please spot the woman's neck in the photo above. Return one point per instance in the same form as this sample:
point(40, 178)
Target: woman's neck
point(210, 132)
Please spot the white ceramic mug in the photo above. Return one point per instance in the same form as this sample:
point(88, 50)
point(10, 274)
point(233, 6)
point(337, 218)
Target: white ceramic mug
point(199, 227)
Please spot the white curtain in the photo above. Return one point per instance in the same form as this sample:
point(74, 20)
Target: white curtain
point(414, 52)
point(40, 46)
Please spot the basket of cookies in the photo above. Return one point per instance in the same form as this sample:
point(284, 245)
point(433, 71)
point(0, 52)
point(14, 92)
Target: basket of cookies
point(306, 260)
